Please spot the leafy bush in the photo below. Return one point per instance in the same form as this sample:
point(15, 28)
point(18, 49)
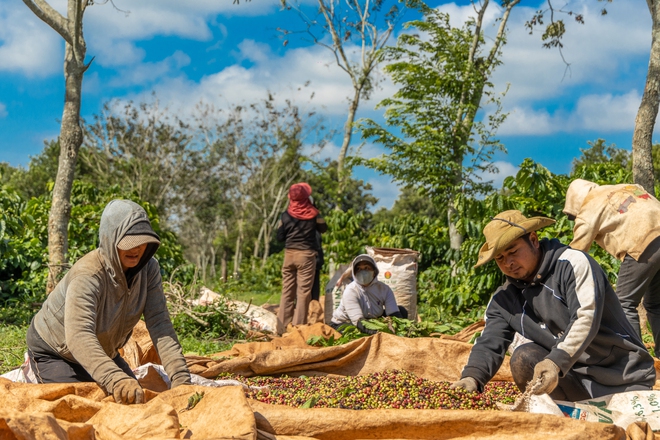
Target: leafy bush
point(345, 238)
point(390, 324)
point(215, 321)
point(450, 289)
point(24, 244)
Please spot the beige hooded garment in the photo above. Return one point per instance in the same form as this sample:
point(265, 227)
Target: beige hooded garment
point(622, 219)
point(91, 312)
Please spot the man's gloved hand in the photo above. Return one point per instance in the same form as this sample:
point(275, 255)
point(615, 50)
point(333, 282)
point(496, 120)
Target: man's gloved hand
point(548, 373)
point(128, 391)
point(467, 383)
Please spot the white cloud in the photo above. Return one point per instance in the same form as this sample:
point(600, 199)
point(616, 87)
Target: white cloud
point(118, 53)
point(504, 170)
point(27, 44)
point(150, 73)
point(112, 28)
point(597, 52)
point(385, 190)
point(597, 91)
point(527, 121)
point(608, 112)
point(296, 75)
point(604, 113)
point(3, 110)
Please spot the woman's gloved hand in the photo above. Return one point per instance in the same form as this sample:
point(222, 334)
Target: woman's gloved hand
point(128, 391)
point(546, 377)
point(365, 330)
point(467, 383)
point(181, 379)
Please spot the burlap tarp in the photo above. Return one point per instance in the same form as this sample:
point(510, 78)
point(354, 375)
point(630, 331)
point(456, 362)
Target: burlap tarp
point(436, 359)
point(82, 411)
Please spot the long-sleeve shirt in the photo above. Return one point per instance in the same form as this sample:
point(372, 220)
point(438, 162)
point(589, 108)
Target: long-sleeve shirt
point(369, 302)
point(300, 234)
point(571, 310)
point(622, 219)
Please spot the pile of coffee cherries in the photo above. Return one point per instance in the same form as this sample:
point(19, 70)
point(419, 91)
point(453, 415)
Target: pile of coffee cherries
point(388, 389)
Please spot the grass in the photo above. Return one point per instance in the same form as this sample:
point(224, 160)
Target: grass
point(12, 347)
point(257, 298)
point(203, 347)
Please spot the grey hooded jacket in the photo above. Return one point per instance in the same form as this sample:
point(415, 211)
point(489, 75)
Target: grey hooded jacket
point(91, 312)
point(365, 302)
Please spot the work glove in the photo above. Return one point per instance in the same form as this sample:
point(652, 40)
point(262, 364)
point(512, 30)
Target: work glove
point(365, 330)
point(467, 383)
point(546, 377)
point(128, 391)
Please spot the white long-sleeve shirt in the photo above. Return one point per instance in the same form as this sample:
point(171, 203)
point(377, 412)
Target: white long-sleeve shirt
point(369, 302)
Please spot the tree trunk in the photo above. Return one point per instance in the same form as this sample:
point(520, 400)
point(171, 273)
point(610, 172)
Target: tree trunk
point(648, 111)
point(223, 259)
point(223, 265)
point(266, 251)
point(348, 133)
point(70, 141)
point(201, 265)
point(455, 237)
point(237, 251)
point(212, 264)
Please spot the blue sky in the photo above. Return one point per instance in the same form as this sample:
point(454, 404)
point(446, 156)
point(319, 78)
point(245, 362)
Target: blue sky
point(225, 53)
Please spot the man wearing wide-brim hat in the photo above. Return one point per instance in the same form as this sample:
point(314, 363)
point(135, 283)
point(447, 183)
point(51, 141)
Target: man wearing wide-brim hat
point(582, 346)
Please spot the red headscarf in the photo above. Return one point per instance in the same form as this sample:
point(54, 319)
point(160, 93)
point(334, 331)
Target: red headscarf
point(300, 206)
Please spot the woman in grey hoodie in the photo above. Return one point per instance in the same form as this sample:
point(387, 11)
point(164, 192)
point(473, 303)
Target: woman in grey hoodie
point(90, 315)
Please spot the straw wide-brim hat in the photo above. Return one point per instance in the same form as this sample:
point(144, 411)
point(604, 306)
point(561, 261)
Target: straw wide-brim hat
point(505, 228)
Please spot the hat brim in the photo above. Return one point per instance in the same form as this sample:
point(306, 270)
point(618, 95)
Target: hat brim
point(133, 241)
point(488, 251)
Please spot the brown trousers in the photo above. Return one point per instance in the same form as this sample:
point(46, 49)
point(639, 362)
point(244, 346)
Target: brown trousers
point(297, 278)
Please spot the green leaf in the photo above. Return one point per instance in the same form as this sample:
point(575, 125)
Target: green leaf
point(310, 402)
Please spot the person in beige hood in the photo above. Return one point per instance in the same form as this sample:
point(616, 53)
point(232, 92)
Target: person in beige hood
point(90, 315)
point(624, 220)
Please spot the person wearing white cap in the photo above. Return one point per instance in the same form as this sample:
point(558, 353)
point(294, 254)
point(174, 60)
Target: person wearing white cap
point(582, 346)
point(624, 220)
point(90, 315)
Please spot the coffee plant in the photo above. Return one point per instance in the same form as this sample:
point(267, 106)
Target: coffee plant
point(384, 390)
point(389, 324)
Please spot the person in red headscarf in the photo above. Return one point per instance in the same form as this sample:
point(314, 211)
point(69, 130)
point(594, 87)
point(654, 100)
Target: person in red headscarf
point(298, 228)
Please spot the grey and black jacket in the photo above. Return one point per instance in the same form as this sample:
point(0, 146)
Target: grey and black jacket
point(91, 312)
point(571, 310)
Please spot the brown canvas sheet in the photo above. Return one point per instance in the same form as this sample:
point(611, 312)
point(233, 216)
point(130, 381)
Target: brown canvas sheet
point(82, 411)
point(435, 359)
point(338, 424)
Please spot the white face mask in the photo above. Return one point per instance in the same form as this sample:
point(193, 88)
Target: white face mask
point(364, 276)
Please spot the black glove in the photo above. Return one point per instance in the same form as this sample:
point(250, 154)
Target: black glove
point(396, 314)
point(363, 329)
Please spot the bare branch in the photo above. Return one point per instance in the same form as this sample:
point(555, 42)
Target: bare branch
point(499, 39)
point(76, 10)
point(51, 17)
